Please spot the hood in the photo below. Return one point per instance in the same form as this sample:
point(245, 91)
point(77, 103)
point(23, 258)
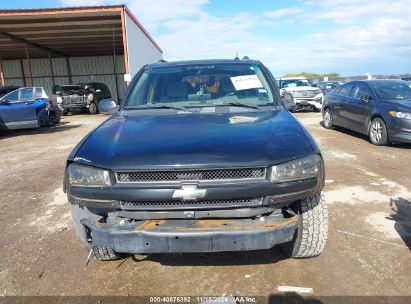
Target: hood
point(303, 88)
point(403, 105)
point(195, 140)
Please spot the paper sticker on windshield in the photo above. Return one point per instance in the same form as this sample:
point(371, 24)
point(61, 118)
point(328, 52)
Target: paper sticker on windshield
point(246, 82)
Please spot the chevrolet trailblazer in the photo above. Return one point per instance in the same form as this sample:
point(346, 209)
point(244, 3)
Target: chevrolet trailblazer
point(201, 156)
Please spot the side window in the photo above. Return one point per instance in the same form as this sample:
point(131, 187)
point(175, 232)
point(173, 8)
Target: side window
point(346, 89)
point(38, 93)
point(26, 94)
point(13, 96)
point(361, 90)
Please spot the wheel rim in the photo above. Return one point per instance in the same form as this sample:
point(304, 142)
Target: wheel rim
point(327, 118)
point(376, 131)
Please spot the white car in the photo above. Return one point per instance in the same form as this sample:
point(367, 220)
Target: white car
point(305, 95)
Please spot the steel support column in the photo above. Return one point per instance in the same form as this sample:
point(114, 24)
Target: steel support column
point(124, 34)
point(29, 64)
point(3, 83)
point(68, 69)
point(51, 69)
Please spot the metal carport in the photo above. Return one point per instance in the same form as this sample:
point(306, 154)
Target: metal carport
point(43, 47)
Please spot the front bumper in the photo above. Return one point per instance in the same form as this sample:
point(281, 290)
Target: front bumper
point(273, 194)
point(73, 106)
point(316, 101)
point(400, 130)
point(162, 236)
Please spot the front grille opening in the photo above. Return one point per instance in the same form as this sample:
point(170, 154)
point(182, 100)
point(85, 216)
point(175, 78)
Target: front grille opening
point(190, 175)
point(200, 204)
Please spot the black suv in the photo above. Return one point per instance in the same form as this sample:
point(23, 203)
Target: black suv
point(201, 156)
point(79, 97)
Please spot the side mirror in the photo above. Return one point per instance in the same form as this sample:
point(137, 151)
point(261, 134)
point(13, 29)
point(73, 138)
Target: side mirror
point(108, 106)
point(315, 85)
point(4, 101)
point(365, 98)
point(288, 101)
point(98, 91)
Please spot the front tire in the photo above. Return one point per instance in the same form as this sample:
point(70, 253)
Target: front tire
point(93, 108)
point(311, 235)
point(103, 253)
point(378, 132)
point(328, 119)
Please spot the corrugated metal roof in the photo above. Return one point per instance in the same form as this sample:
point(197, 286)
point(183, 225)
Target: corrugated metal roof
point(68, 31)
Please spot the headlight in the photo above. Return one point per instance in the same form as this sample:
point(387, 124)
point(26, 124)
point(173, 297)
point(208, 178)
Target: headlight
point(300, 169)
point(59, 100)
point(84, 176)
point(317, 91)
point(403, 115)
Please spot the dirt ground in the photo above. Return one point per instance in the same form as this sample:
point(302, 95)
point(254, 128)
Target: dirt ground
point(368, 189)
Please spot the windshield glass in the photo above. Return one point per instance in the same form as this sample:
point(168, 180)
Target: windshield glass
point(200, 85)
point(392, 91)
point(71, 88)
point(288, 83)
point(332, 85)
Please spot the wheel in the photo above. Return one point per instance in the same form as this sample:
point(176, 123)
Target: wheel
point(43, 119)
point(328, 119)
point(93, 108)
point(102, 253)
point(64, 113)
point(315, 109)
point(311, 234)
point(378, 132)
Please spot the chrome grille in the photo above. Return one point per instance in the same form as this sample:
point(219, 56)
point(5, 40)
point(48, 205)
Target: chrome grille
point(200, 204)
point(73, 99)
point(304, 94)
point(190, 175)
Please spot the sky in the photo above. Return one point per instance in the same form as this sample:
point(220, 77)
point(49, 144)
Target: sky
point(349, 37)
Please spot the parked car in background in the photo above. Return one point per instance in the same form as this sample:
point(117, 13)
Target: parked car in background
point(305, 95)
point(7, 89)
point(25, 108)
point(202, 156)
point(407, 79)
point(328, 86)
point(80, 97)
point(380, 109)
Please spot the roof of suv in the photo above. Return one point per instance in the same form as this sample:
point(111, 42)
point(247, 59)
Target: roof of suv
point(208, 61)
point(292, 78)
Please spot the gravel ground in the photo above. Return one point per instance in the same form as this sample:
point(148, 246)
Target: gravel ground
point(368, 189)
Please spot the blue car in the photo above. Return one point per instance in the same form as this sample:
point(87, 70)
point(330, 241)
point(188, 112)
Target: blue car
point(201, 156)
point(380, 109)
point(25, 108)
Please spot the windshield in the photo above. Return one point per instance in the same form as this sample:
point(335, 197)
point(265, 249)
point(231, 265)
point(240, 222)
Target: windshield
point(200, 85)
point(288, 83)
point(71, 88)
point(392, 91)
point(332, 85)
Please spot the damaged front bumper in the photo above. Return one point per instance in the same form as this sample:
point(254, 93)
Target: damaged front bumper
point(208, 235)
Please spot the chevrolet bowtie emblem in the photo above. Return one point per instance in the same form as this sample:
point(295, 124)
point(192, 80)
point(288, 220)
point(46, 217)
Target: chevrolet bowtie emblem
point(189, 193)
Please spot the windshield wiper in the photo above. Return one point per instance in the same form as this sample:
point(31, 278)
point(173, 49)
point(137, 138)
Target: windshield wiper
point(243, 105)
point(157, 106)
